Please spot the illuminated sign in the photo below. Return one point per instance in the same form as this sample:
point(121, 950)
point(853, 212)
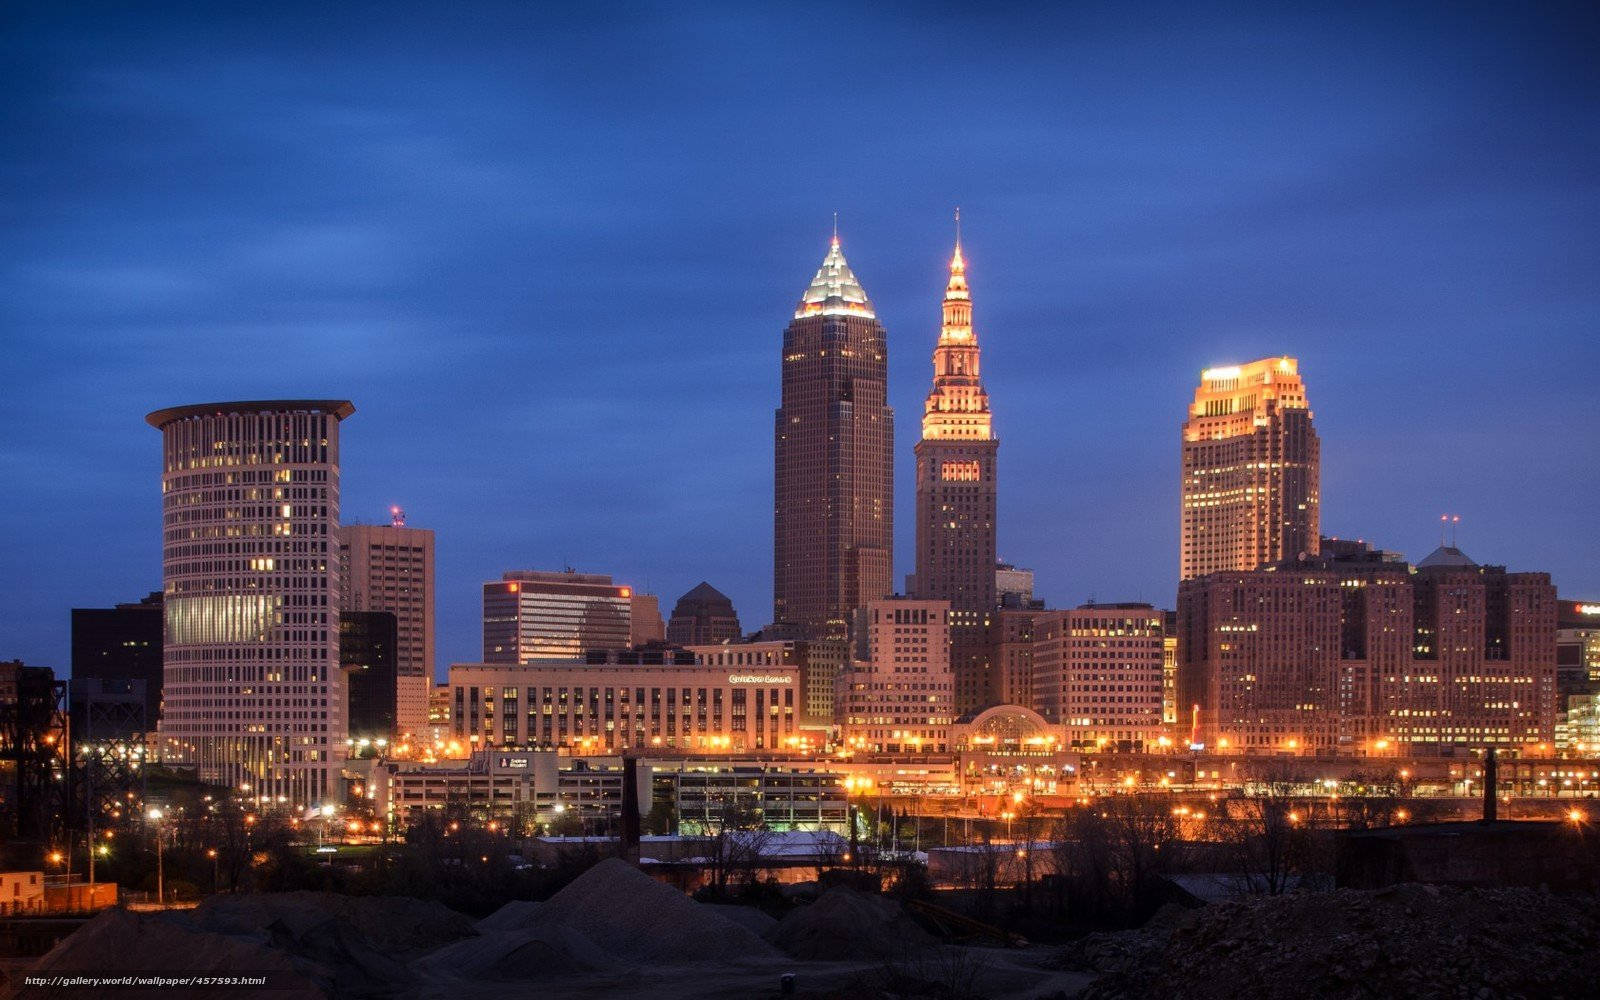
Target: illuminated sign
point(760, 679)
point(1588, 609)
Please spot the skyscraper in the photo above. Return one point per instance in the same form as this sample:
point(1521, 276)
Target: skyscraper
point(956, 496)
point(1251, 470)
point(252, 691)
point(833, 504)
point(389, 567)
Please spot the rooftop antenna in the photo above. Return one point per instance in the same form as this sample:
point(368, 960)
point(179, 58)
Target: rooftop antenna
point(958, 225)
point(397, 516)
point(1455, 519)
point(1444, 520)
point(835, 228)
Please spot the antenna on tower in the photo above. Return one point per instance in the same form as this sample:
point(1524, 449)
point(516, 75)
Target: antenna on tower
point(958, 225)
point(397, 516)
point(1455, 519)
point(1444, 521)
point(835, 228)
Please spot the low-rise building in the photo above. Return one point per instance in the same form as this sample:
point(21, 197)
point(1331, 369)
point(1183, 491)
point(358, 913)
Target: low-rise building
point(590, 707)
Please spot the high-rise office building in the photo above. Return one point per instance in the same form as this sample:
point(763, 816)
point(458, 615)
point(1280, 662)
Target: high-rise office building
point(703, 616)
point(390, 567)
point(833, 524)
point(252, 692)
point(1013, 586)
point(120, 645)
point(956, 459)
point(900, 700)
point(369, 644)
point(533, 615)
point(1097, 672)
point(1251, 470)
point(1362, 654)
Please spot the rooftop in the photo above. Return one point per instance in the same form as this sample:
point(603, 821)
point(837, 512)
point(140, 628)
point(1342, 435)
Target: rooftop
point(340, 408)
point(835, 290)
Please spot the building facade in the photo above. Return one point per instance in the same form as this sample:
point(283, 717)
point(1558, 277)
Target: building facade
point(591, 707)
point(120, 645)
point(833, 503)
point(956, 488)
point(818, 661)
point(532, 615)
point(902, 699)
point(1365, 655)
point(1098, 674)
point(1251, 470)
point(702, 616)
point(390, 567)
point(369, 652)
point(252, 691)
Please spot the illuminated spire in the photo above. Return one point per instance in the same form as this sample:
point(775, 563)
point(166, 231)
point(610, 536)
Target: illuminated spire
point(835, 290)
point(958, 406)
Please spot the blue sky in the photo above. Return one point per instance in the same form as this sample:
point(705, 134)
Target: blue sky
point(549, 253)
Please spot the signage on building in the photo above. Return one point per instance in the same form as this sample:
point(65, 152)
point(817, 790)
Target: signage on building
point(760, 679)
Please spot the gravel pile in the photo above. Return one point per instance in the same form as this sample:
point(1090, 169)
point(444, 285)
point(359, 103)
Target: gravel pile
point(640, 921)
point(398, 927)
point(118, 941)
point(1413, 941)
point(515, 915)
point(845, 924)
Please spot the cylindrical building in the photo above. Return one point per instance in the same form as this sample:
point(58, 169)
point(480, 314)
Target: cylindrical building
point(253, 696)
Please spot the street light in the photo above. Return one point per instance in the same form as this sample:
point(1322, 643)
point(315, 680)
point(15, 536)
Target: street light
point(161, 885)
point(211, 852)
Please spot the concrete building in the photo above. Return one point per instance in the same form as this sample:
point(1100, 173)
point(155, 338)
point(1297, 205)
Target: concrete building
point(1013, 586)
point(957, 460)
point(589, 706)
point(901, 700)
point(1251, 470)
point(119, 645)
point(534, 615)
point(390, 567)
point(1011, 651)
point(1097, 673)
point(707, 794)
point(252, 688)
point(1364, 655)
point(809, 659)
point(644, 620)
point(833, 523)
point(703, 616)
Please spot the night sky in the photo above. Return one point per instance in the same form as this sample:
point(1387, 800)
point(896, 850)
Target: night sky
point(550, 255)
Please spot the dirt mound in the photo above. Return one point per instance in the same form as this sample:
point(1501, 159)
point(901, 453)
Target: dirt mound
point(637, 920)
point(748, 917)
point(514, 915)
point(845, 924)
point(1414, 941)
point(396, 926)
point(117, 941)
point(522, 954)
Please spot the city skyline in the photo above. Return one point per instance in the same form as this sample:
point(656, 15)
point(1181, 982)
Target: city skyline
point(1414, 329)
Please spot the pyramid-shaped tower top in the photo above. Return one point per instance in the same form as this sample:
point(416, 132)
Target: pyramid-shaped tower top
point(835, 290)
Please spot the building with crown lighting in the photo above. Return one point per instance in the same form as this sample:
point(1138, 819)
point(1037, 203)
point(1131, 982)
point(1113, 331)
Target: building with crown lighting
point(1251, 470)
point(956, 484)
point(833, 502)
point(389, 567)
point(253, 693)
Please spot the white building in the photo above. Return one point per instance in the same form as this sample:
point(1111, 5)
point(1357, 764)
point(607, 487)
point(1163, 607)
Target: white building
point(253, 693)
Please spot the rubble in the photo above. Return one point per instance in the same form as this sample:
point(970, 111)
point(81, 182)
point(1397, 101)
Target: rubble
point(1415, 941)
point(846, 924)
